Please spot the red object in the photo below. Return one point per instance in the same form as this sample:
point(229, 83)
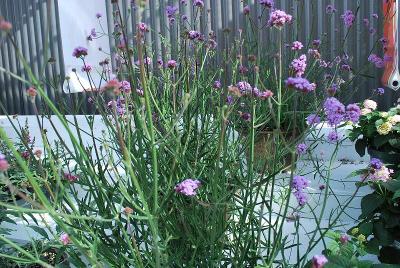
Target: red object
point(391, 76)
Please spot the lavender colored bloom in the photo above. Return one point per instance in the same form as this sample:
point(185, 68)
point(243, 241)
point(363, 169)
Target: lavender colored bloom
point(334, 110)
point(378, 61)
point(212, 44)
point(366, 21)
point(93, 33)
point(345, 67)
point(380, 91)
point(229, 100)
point(171, 11)
point(98, 15)
point(375, 163)
point(244, 87)
point(79, 52)
point(188, 187)
point(353, 112)
point(279, 18)
point(184, 17)
point(217, 84)
point(300, 84)
point(246, 10)
point(372, 30)
point(160, 63)
point(330, 9)
point(348, 18)
point(246, 116)
point(143, 27)
point(193, 35)
point(319, 261)
point(301, 148)
point(313, 119)
point(265, 94)
point(171, 64)
point(198, 3)
point(375, 16)
point(243, 69)
point(316, 42)
point(333, 136)
point(299, 65)
point(296, 45)
point(86, 68)
point(126, 86)
point(333, 89)
point(300, 183)
point(267, 3)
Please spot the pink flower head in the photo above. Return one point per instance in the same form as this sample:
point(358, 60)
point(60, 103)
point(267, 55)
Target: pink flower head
point(265, 94)
point(300, 84)
point(198, 3)
point(143, 27)
point(344, 238)
point(313, 119)
point(4, 166)
point(69, 177)
point(246, 10)
point(5, 25)
point(171, 64)
point(348, 18)
point(113, 85)
point(188, 187)
point(86, 68)
point(278, 18)
point(126, 86)
point(267, 3)
point(64, 239)
point(318, 261)
point(296, 45)
point(79, 52)
point(299, 65)
point(31, 92)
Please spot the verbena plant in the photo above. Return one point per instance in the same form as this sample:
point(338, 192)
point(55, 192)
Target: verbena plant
point(173, 181)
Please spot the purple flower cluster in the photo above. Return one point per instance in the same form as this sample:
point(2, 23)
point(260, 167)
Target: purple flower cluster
point(3, 163)
point(119, 105)
point(333, 136)
point(267, 3)
point(348, 18)
point(380, 91)
point(330, 9)
point(300, 84)
point(296, 45)
point(299, 65)
point(353, 112)
point(319, 261)
point(334, 110)
point(194, 35)
point(376, 163)
point(171, 12)
point(279, 18)
point(188, 187)
point(79, 52)
point(171, 64)
point(126, 86)
point(299, 184)
point(301, 148)
point(244, 87)
point(217, 84)
point(198, 3)
point(378, 61)
point(313, 119)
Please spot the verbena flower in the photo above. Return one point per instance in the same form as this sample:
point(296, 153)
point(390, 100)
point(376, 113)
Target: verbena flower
point(86, 68)
point(296, 45)
point(301, 148)
point(379, 62)
point(4, 166)
point(217, 84)
point(143, 27)
point(171, 64)
point(70, 177)
point(5, 26)
point(198, 3)
point(344, 239)
point(330, 9)
point(313, 119)
point(333, 136)
point(376, 163)
point(300, 84)
point(188, 187)
point(348, 18)
point(353, 112)
point(267, 3)
point(171, 12)
point(246, 10)
point(299, 65)
point(265, 94)
point(244, 87)
point(300, 183)
point(79, 52)
point(380, 91)
point(193, 35)
point(126, 86)
point(319, 261)
point(31, 92)
point(98, 15)
point(279, 18)
point(334, 111)
point(245, 116)
point(64, 239)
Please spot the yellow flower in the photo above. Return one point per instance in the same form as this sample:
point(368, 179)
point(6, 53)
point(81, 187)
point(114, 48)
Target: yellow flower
point(384, 129)
point(394, 119)
point(361, 238)
point(354, 231)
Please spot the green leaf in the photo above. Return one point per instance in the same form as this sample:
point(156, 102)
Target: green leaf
point(373, 246)
point(383, 235)
point(381, 141)
point(360, 147)
point(396, 195)
point(39, 230)
point(366, 228)
point(370, 203)
point(393, 185)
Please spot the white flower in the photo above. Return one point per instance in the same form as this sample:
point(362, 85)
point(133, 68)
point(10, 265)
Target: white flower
point(365, 111)
point(394, 119)
point(370, 104)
